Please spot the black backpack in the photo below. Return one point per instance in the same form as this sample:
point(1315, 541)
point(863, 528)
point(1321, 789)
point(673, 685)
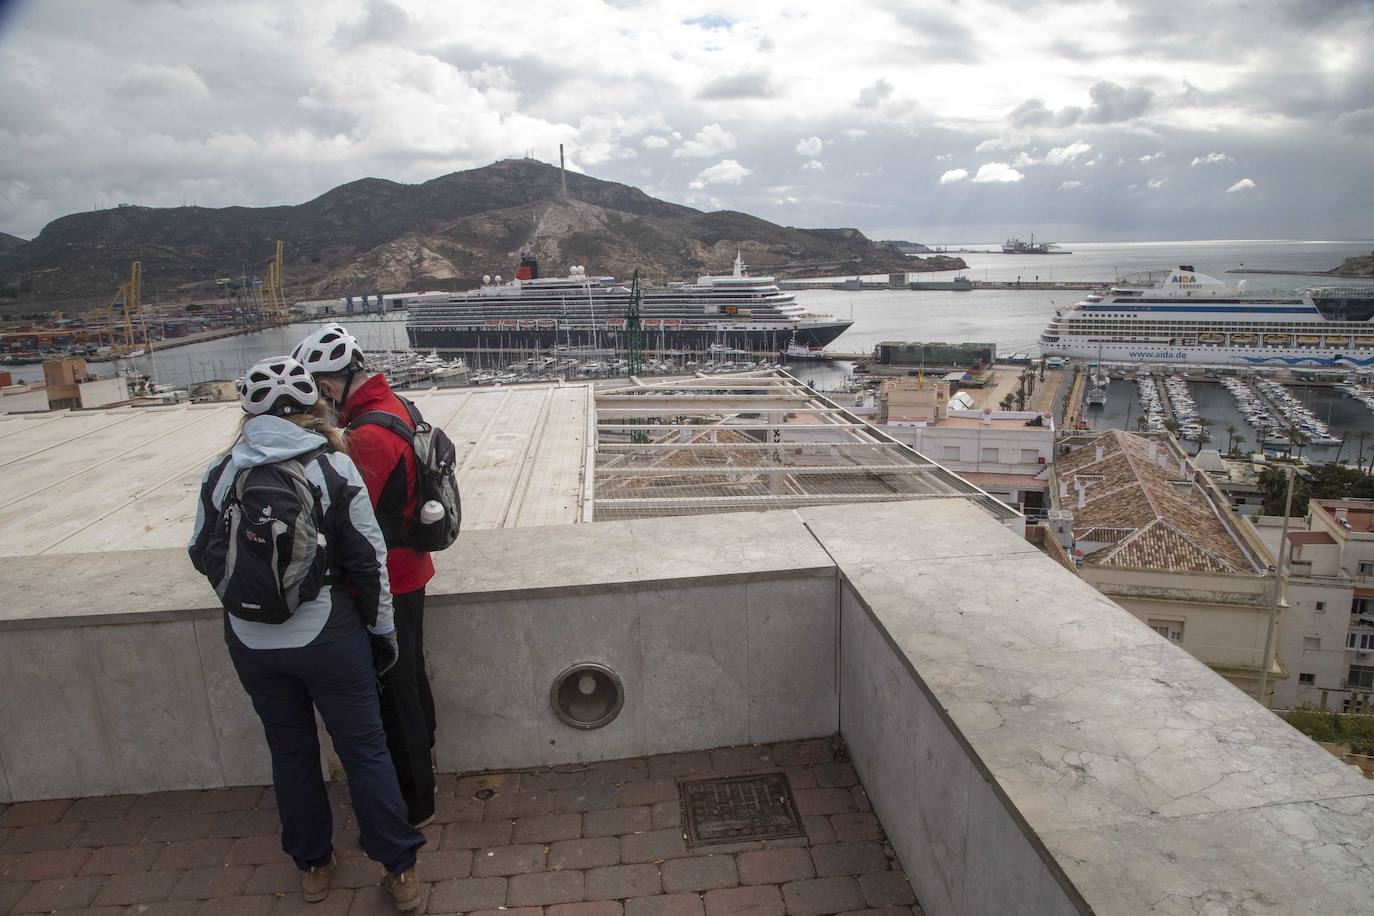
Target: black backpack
point(268, 554)
point(436, 460)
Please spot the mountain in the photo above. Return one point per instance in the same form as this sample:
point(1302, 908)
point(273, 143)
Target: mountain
point(10, 242)
point(372, 235)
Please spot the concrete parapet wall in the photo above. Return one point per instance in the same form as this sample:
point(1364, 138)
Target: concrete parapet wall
point(1029, 746)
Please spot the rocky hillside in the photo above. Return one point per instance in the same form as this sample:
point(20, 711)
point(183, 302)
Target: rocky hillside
point(9, 242)
point(373, 235)
point(1361, 266)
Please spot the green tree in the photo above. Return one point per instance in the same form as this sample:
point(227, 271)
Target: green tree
point(1172, 426)
point(1274, 485)
point(1298, 438)
point(1008, 401)
point(1231, 431)
point(1362, 436)
point(1236, 444)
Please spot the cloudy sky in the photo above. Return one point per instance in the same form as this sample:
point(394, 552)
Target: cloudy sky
point(936, 121)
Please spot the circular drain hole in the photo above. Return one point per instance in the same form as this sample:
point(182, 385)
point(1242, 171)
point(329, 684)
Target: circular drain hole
point(587, 695)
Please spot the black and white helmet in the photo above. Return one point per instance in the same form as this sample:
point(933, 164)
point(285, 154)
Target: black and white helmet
point(277, 385)
point(330, 349)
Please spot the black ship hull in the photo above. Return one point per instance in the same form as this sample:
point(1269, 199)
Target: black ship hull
point(654, 340)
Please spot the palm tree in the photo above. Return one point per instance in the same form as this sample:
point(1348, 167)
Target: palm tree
point(1008, 401)
point(1238, 441)
point(1231, 431)
point(1361, 437)
point(1298, 438)
point(1202, 437)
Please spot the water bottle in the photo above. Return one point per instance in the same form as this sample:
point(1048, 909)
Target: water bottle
point(431, 512)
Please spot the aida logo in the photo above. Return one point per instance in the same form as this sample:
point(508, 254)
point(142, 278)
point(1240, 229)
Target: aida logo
point(1183, 278)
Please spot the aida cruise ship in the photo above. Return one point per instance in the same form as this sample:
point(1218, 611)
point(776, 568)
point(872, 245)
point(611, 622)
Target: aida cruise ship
point(1184, 317)
point(732, 312)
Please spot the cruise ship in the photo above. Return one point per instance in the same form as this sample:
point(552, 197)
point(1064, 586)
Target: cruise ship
point(1185, 317)
point(728, 312)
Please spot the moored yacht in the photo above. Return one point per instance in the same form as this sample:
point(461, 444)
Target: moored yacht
point(1185, 317)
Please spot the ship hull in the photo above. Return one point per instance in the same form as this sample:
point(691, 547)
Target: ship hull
point(754, 340)
point(1259, 356)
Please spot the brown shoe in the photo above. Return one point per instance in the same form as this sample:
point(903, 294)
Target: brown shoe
point(315, 882)
point(404, 889)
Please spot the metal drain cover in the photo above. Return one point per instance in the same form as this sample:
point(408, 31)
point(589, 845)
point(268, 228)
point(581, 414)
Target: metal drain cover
point(738, 809)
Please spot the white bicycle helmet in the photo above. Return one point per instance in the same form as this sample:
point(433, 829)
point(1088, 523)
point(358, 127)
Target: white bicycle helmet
point(277, 385)
point(330, 349)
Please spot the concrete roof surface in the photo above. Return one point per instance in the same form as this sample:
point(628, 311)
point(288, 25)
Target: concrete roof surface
point(127, 478)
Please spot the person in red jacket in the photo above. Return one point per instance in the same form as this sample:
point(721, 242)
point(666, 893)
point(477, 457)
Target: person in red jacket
point(387, 464)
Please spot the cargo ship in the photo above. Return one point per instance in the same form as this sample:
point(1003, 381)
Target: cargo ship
point(731, 311)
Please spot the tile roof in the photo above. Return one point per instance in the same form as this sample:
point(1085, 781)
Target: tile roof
point(1160, 518)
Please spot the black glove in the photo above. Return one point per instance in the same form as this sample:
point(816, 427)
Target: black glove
point(385, 652)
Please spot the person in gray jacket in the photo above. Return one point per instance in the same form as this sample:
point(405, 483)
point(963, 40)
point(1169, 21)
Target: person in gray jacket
point(327, 652)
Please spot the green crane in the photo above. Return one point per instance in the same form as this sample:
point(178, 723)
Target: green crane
point(634, 338)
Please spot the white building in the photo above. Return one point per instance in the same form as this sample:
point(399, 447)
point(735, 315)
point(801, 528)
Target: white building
point(1327, 635)
point(1004, 452)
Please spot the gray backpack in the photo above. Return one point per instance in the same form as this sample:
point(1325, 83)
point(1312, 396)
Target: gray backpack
point(268, 555)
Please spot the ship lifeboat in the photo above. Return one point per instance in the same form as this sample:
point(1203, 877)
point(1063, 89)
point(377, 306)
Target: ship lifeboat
point(1307, 340)
point(1364, 341)
point(1243, 340)
point(671, 324)
point(509, 324)
point(652, 323)
point(1277, 340)
point(1211, 338)
point(493, 324)
point(548, 324)
point(528, 324)
point(615, 324)
point(1338, 341)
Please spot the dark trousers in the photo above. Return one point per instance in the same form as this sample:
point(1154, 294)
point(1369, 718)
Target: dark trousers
point(408, 708)
point(339, 680)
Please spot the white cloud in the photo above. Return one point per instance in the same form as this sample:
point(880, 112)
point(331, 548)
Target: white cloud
point(1151, 157)
point(1024, 159)
point(944, 157)
point(1245, 184)
point(993, 144)
point(875, 93)
point(1212, 159)
point(856, 133)
point(1156, 183)
point(953, 175)
point(653, 141)
point(727, 171)
point(998, 172)
point(810, 146)
point(142, 80)
point(710, 141)
point(814, 165)
point(1063, 155)
point(1071, 185)
point(1357, 121)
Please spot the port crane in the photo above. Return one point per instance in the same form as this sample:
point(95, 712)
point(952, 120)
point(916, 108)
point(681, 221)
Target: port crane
point(124, 315)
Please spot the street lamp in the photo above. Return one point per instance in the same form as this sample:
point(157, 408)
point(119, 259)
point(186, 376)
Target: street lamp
point(1268, 659)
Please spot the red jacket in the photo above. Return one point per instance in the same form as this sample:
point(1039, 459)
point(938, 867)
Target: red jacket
point(387, 463)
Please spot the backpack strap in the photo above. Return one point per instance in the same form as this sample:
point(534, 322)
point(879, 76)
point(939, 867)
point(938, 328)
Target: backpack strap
point(386, 420)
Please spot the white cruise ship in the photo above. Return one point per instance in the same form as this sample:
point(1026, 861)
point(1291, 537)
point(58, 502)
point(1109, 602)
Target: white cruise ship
point(1184, 317)
point(731, 312)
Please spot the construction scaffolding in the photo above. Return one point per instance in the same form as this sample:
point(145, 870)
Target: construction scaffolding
point(747, 443)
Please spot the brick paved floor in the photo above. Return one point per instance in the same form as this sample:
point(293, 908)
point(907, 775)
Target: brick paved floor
point(603, 839)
